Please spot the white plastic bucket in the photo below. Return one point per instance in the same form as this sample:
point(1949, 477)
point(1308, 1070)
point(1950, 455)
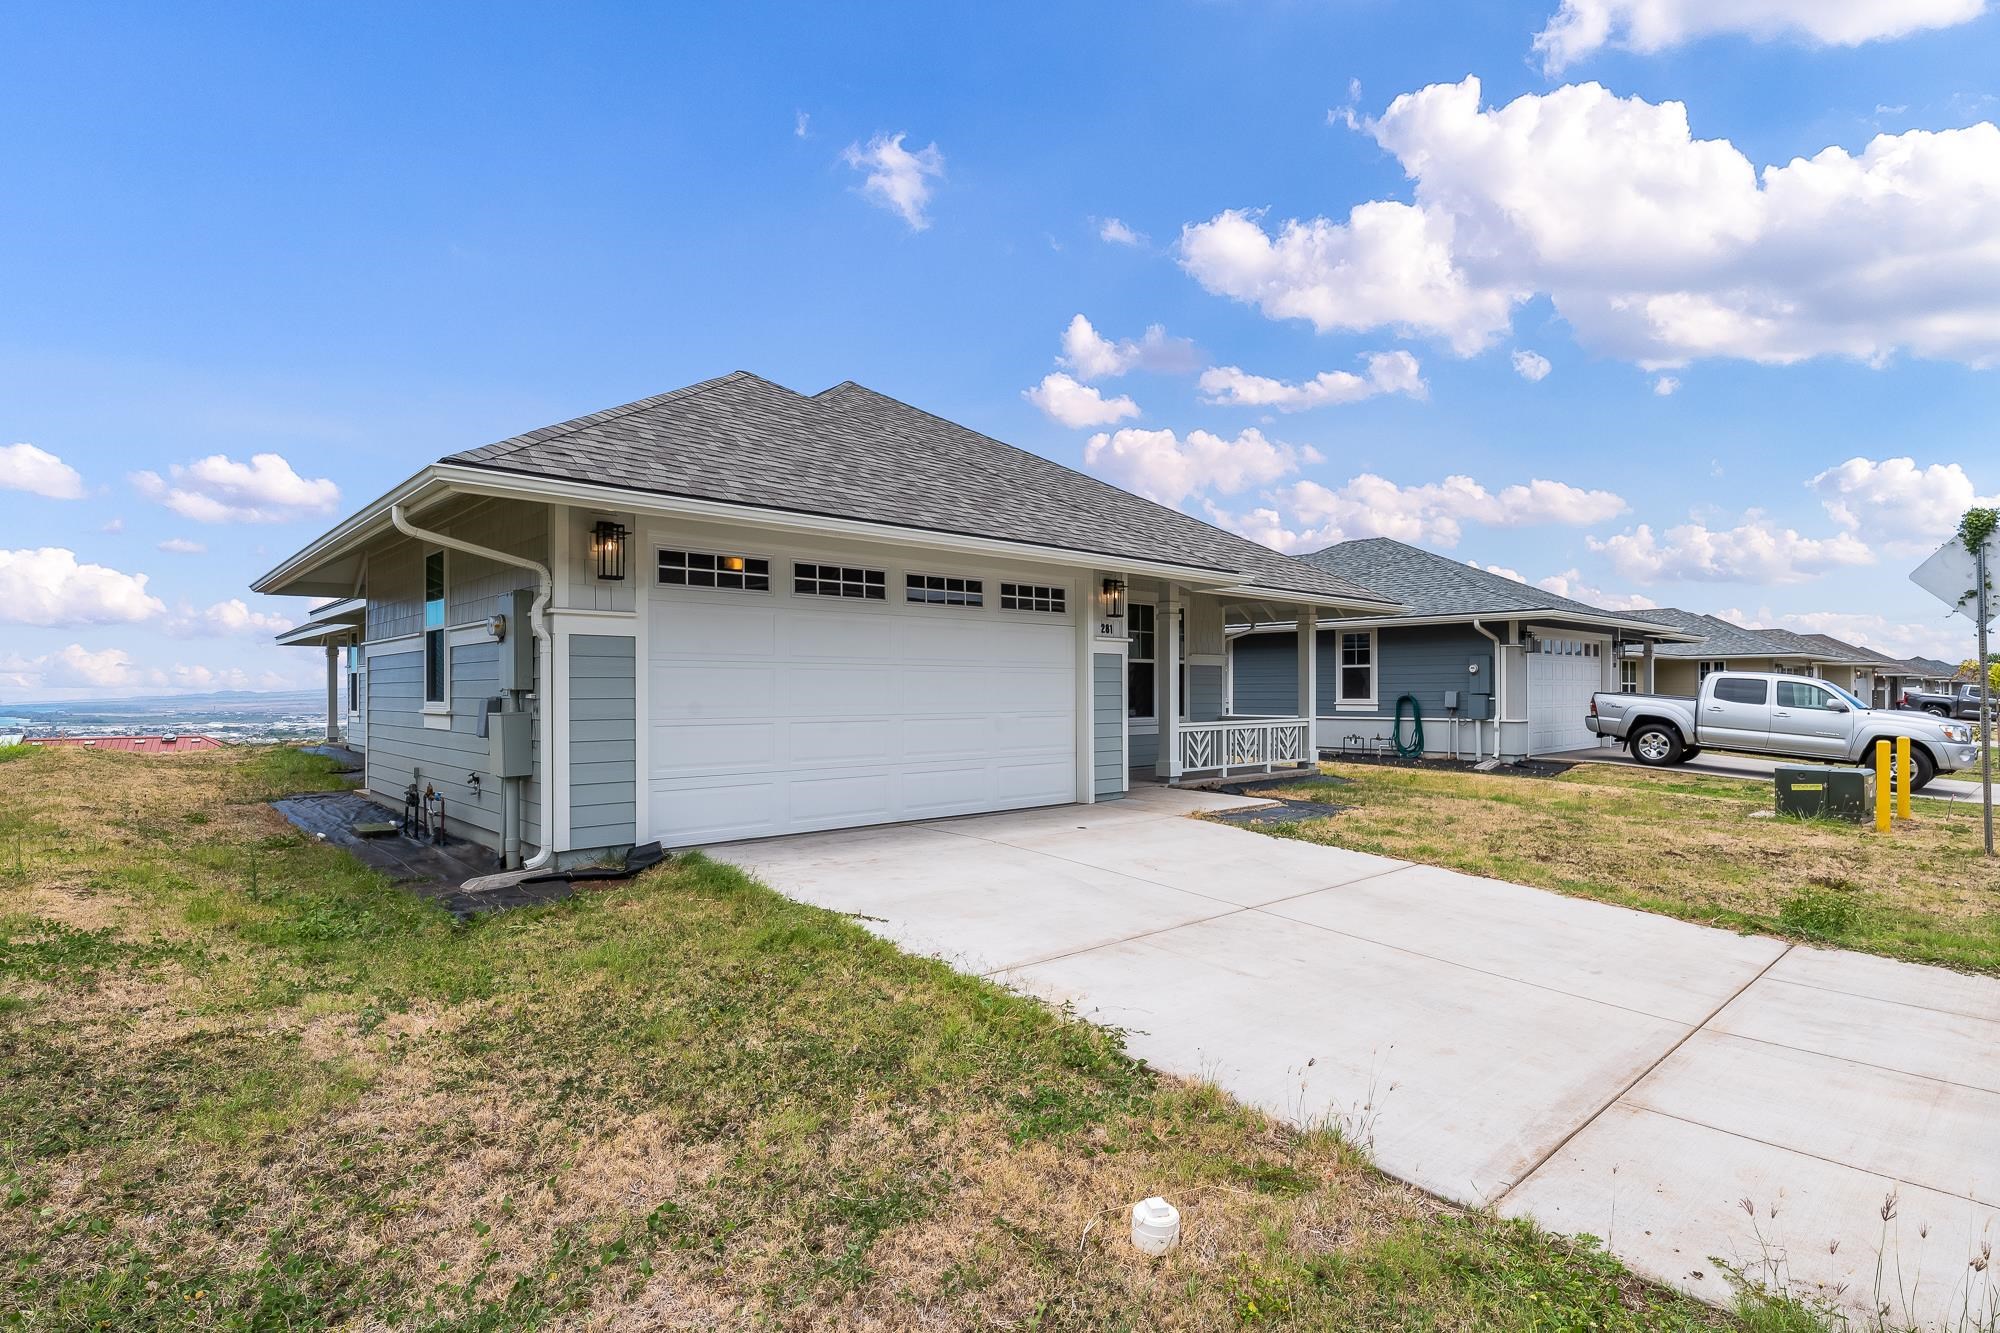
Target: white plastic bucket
point(1156, 1226)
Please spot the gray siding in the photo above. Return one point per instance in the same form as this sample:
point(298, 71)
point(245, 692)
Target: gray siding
point(1420, 660)
point(1107, 692)
point(1145, 749)
point(475, 588)
point(1205, 688)
point(603, 745)
point(402, 750)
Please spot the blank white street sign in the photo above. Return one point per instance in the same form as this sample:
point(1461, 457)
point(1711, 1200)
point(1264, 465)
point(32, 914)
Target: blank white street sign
point(1949, 576)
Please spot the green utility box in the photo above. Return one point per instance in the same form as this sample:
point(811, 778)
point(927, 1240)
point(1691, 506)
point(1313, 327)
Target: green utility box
point(1827, 793)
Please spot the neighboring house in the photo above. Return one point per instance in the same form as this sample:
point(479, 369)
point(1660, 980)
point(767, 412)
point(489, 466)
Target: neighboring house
point(1720, 645)
point(735, 610)
point(1464, 639)
point(1850, 667)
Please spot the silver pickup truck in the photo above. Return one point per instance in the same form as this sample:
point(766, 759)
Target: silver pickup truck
point(1788, 717)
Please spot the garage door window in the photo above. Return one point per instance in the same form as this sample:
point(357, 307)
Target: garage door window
point(941, 590)
point(870, 585)
point(1033, 597)
point(710, 569)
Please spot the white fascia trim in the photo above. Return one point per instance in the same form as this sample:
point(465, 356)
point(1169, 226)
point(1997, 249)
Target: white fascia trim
point(1319, 600)
point(552, 490)
point(358, 527)
point(1525, 617)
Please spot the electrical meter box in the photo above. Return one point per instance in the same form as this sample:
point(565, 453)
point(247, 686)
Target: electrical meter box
point(510, 743)
point(517, 650)
point(1826, 793)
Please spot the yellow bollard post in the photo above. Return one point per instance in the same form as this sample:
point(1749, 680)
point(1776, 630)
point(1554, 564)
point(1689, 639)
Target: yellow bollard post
point(1882, 786)
point(1903, 773)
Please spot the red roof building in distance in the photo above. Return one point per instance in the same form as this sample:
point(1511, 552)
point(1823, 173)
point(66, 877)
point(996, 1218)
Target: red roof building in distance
point(133, 744)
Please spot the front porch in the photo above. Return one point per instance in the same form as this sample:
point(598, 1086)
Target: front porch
point(1180, 720)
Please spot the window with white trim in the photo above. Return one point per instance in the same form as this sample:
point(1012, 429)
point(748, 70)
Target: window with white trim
point(1355, 681)
point(1033, 597)
point(437, 651)
point(871, 585)
point(1141, 686)
point(1703, 670)
point(713, 569)
point(1628, 676)
point(943, 590)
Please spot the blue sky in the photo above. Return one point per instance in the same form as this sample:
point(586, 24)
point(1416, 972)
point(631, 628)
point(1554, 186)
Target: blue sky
point(346, 241)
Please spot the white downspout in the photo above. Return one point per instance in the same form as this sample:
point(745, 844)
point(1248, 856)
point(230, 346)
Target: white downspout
point(538, 611)
point(1499, 684)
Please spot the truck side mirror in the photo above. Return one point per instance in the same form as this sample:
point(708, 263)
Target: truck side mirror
point(1838, 707)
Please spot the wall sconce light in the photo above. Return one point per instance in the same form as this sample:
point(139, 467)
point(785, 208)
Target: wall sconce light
point(1113, 599)
point(607, 547)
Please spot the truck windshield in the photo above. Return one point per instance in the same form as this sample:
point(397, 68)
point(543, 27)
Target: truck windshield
point(1852, 702)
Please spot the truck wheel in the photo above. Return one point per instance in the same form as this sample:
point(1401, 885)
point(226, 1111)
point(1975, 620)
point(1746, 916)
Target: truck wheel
point(1690, 751)
point(1656, 745)
point(1936, 710)
point(1923, 767)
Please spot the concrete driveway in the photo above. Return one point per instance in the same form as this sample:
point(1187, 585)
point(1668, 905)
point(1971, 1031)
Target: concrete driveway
point(1756, 767)
point(1603, 1070)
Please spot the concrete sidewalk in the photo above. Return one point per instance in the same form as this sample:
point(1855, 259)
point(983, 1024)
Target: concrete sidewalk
point(1599, 1069)
point(1758, 768)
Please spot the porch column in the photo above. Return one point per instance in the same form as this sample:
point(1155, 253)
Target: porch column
point(1650, 686)
point(1308, 656)
point(1167, 678)
point(333, 693)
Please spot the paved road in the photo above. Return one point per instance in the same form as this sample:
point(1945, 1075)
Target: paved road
point(1603, 1070)
point(1954, 788)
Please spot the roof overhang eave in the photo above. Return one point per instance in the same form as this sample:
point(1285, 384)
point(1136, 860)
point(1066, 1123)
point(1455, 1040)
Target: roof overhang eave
point(442, 479)
point(1649, 629)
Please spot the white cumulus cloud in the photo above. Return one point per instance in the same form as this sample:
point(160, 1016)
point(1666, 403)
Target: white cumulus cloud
point(1666, 386)
point(1581, 27)
point(48, 586)
point(218, 489)
point(1163, 466)
point(1947, 637)
point(1076, 405)
point(1896, 503)
point(1434, 513)
point(1531, 366)
point(1117, 233)
point(1752, 552)
point(232, 617)
point(1388, 373)
point(1655, 246)
point(74, 670)
point(1389, 265)
point(181, 546)
point(1091, 356)
point(1570, 583)
point(896, 178)
point(23, 467)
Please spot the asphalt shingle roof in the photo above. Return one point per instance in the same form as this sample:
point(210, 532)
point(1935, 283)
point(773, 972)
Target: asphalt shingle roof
point(850, 452)
point(1817, 647)
point(1428, 584)
point(1720, 638)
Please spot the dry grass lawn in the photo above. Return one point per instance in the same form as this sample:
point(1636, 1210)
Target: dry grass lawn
point(246, 1084)
point(1689, 845)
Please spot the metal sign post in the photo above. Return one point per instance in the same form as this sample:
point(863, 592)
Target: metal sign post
point(1984, 675)
point(1968, 556)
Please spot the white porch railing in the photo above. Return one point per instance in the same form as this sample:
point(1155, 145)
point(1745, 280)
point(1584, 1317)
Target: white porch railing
point(1243, 742)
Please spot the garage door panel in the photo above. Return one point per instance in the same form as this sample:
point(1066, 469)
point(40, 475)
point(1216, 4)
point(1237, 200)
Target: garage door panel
point(825, 689)
point(713, 689)
point(827, 741)
point(720, 629)
point(1020, 782)
point(933, 792)
point(710, 809)
point(934, 738)
point(834, 799)
point(712, 747)
point(1035, 733)
point(848, 633)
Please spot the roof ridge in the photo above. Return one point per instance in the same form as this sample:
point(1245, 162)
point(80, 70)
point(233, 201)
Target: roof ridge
point(545, 434)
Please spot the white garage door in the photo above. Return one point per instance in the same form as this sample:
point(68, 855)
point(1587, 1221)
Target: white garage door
point(1562, 675)
point(774, 712)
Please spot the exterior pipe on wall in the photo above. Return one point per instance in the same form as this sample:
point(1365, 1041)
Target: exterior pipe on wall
point(1499, 687)
point(538, 612)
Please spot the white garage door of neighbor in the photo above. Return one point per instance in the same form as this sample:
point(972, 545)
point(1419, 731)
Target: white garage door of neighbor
point(781, 714)
point(1562, 675)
